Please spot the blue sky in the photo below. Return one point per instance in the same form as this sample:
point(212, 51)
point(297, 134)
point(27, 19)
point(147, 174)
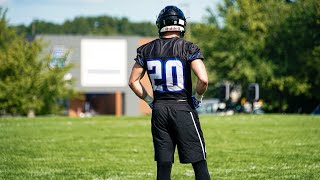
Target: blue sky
point(24, 11)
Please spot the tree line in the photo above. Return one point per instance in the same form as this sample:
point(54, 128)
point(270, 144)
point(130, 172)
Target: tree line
point(100, 25)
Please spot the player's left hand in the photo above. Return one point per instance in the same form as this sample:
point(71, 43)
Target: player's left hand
point(196, 102)
point(149, 100)
point(151, 105)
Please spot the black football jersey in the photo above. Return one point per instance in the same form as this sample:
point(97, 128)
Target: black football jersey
point(167, 62)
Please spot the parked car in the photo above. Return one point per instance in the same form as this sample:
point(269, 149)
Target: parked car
point(209, 106)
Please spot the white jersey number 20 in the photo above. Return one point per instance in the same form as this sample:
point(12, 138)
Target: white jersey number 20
point(169, 74)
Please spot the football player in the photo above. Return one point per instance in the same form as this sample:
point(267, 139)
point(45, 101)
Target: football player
point(169, 61)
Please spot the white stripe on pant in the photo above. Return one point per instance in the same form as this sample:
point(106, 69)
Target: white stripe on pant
point(194, 123)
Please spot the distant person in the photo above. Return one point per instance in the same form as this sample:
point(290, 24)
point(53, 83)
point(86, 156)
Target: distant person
point(168, 62)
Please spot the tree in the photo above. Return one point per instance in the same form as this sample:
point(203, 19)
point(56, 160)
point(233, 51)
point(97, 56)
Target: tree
point(294, 48)
point(234, 49)
point(26, 83)
point(273, 43)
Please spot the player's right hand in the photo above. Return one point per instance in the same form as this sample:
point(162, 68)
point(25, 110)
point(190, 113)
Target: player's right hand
point(196, 102)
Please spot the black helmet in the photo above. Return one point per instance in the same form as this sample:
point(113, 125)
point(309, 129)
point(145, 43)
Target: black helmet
point(171, 18)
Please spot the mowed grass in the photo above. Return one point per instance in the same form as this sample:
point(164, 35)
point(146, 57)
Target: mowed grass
point(238, 147)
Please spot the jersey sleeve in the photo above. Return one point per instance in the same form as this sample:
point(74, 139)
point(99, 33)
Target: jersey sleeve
point(194, 53)
point(139, 58)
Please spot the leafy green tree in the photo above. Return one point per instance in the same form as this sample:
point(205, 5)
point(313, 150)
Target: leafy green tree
point(26, 83)
point(273, 43)
point(294, 47)
point(234, 51)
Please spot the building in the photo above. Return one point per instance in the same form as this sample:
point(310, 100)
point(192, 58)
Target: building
point(102, 65)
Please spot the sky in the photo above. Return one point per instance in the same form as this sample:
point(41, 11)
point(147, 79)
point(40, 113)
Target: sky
point(57, 11)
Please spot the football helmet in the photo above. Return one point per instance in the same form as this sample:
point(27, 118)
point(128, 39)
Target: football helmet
point(171, 18)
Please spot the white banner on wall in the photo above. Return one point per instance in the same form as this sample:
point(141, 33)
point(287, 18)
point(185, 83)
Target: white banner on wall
point(103, 62)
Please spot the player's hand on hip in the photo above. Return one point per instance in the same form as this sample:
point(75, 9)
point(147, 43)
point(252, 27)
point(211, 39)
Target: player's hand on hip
point(151, 105)
point(149, 100)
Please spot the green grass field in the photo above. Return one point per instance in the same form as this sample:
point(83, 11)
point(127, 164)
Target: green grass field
point(238, 147)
